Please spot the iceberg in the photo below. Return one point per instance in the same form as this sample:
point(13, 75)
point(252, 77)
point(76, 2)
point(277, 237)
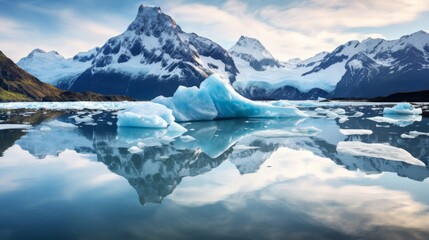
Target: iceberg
point(217, 99)
point(402, 109)
point(398, 120)
point(146, 115)
point(348, 132)
point(414, 134)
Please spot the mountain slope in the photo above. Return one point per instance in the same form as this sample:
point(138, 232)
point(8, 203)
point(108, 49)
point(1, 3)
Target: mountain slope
point(18, 85)
point(52, 68)
point(377, 67)
point(153, 57)
point(261, 76)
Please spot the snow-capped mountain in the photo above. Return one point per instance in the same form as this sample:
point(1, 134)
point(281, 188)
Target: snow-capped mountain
point(252, 51)
point(377, 67)
point(261, 76)
point(51, 67)
point(371, 68)
point(153, 57)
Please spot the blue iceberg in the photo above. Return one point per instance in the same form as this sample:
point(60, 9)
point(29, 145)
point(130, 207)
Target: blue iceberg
point(217, 99)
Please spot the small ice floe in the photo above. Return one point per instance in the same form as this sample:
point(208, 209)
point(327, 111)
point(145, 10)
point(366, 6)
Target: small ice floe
point(377, 150)
point(402, 109)
point(358, 114)
point(343, 119)
point(58, 124)
point(186, 138)
point(109, 123)
point(399, 120)
point(414, 134)
point(14, 126)
point(85, 119)
point(348, 132)
point(146, 115)
point(45, 129)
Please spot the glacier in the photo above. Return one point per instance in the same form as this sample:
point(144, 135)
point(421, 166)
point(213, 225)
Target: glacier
point(217, 99)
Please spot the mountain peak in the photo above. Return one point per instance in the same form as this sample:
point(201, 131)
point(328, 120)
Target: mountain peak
point(37, 50)
point(150, 18)
point(145, 9)
point(250, 46)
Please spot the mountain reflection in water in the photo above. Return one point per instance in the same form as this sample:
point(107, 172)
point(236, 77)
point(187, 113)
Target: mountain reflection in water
point(166, 158)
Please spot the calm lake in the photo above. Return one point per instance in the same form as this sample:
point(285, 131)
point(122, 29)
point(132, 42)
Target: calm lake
point(75, 175)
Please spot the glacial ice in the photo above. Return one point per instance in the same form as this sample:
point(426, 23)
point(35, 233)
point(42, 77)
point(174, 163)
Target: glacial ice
point(399, 120)
point(348, 132)
point(377, 150)
point(217, 99)
point(14, 126)
point(146, 115)
point(402, 109)
point(414, 134)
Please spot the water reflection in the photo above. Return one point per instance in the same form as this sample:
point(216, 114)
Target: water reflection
point(221, 179)
point(166, 158)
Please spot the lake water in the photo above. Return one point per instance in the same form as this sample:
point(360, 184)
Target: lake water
point(226, 179)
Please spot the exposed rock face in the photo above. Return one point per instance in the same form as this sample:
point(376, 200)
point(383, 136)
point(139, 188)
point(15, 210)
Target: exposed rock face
point(153, 57)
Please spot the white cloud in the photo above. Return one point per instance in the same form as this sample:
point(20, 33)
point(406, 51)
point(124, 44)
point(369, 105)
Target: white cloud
point(299, 31)
point(77, 33)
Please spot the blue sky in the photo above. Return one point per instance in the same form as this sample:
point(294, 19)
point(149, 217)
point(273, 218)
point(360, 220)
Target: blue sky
point(287, 28)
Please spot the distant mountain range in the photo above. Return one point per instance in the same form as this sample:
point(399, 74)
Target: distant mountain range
point(154, 56)
point(18, 85)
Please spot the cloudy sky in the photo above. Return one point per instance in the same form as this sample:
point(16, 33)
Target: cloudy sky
point(288, 28)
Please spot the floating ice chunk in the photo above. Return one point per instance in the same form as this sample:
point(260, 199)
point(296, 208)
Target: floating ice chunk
point(58, 124)
point(414, 134)
point(377, 150)
point(402, 109)
point(134, 149)
point(358, 114)
point(399, 120)
point(339, 111)
point(85, 119)
point(343, 119)
point(355, 132)
point(216, 98)
point(14, 126)
point(146, 115)
point(45, 129)
point(404, 135)
point(81, 105)
point(187, 138)
point(331, 115)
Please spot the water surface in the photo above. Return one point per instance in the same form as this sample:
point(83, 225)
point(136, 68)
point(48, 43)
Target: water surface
point(228, 179)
